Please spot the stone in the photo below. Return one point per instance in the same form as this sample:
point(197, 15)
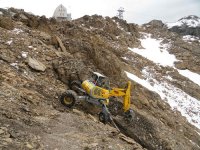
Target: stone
point(93, 118)
point(35, 64)
point(61, 44)
point(29, 146)
point(127, 139)
point(76, 111)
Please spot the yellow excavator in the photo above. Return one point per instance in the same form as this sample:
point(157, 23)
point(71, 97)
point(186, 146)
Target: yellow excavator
point(96, 90)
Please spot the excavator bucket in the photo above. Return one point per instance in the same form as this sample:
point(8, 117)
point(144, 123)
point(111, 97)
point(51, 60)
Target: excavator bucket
point(127, 98)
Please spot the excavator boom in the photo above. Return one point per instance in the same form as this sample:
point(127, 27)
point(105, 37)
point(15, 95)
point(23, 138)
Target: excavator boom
point(125, 93)
point(127, 98)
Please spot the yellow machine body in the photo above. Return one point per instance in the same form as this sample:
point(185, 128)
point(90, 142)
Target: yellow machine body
point(95, 91)
point(101, 93)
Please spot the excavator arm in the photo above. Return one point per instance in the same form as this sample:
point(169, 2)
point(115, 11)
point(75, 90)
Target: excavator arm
point(125, 93)
point(102, 93)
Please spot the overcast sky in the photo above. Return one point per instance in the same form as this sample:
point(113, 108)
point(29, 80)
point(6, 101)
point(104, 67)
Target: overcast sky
point(136, 11)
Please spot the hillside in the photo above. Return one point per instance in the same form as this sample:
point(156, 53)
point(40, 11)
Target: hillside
point(39, 57)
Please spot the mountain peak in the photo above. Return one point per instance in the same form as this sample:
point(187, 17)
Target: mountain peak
point(189, 21)
point(190, 17)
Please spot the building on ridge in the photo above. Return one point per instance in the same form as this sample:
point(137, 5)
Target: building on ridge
point(61, 14)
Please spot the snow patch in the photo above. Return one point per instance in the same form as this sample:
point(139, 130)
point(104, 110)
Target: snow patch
point(172, 24)
point(155, 51)
point(140, 81)
point(125, 58)
point(17, 31)
point(190, 75)
point(177, 99)
point(24, 54)
point(187, 38)
point(169, 78)
point(15, 65)
point(9, 42)
point(118, 26)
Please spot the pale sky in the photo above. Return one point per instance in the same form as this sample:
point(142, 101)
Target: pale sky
point(136, 11)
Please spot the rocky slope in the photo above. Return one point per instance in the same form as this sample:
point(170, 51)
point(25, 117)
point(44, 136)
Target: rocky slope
point(39, 57)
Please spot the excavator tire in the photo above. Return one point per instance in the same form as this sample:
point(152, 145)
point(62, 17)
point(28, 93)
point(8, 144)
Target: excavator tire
point(68, 98)
point(129, 115)
point(104, 118)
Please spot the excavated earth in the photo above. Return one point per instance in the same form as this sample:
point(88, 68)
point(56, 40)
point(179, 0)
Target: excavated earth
point(39, 57)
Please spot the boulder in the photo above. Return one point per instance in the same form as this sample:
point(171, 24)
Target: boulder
point(35, 64)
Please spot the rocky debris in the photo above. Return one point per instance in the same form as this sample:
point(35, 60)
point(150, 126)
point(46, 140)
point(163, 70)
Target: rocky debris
point(93, 135)
point(35, 64)
point(6, 22)
point(152, 137)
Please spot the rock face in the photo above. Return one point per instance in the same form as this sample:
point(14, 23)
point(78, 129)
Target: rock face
point(31, 114)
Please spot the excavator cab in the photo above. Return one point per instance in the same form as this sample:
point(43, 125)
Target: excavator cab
point(100, 80)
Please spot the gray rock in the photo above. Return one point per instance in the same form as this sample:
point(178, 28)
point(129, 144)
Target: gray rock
point(35, 64)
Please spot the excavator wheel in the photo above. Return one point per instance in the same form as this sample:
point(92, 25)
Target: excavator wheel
point(68, 98)
point(104, 118)
point(129, 115)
